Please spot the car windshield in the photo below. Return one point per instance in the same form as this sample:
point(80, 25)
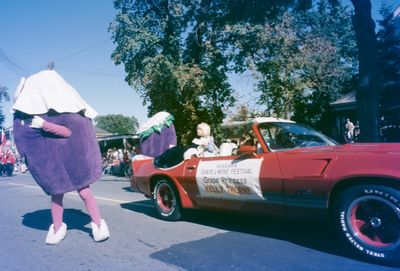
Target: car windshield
point(284, 135)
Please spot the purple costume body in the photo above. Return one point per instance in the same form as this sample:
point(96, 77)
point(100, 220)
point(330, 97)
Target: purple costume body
point(59, 164)
point(156, 143)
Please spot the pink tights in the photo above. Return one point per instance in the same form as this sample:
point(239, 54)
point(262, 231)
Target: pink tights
point(57, 208)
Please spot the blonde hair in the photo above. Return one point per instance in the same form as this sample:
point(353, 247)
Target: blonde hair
point(205, 128)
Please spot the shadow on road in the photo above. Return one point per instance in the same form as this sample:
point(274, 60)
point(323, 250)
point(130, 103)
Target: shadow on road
point(144, 206)
point(315, 235)
point(129, 189)
point(41, 220)
point(243, 238)
point(112, 178)
point(237, 251)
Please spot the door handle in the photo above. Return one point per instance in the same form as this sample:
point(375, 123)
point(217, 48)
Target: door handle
point(191, 167)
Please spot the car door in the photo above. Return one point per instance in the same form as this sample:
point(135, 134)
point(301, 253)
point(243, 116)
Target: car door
point(240, 182)
point(305, 180)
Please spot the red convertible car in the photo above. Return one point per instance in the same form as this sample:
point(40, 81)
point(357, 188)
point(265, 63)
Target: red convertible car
point(292, 171)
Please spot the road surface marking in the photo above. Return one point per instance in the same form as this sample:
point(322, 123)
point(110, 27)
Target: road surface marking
point(24, 185)
point(77, 195)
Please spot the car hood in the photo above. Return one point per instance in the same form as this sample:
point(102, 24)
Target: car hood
point(372, 147)
point(354, 148)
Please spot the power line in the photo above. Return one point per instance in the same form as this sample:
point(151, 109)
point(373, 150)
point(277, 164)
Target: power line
point(10, 63)
point(18, 69)
point(83, 50)
point(90, 71)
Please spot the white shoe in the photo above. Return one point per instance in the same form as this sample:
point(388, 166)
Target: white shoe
point(100, 233)
point(55, 238)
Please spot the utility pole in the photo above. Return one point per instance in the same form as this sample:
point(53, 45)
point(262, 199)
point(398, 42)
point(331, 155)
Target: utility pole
point(51, 65)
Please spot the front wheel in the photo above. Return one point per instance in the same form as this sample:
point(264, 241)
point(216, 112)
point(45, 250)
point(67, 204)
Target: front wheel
point(166, 200)
point(368, 220)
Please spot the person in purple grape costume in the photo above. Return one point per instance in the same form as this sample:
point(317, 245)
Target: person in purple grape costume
point(157, 134)
point(54, 133)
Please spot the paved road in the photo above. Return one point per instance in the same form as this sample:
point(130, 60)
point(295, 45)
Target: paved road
point(140, 241)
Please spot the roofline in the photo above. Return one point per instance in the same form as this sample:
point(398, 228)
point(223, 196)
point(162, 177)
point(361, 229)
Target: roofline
point(104, 138)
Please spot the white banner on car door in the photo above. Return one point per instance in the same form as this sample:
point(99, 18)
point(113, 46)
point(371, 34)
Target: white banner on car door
point(229, 179)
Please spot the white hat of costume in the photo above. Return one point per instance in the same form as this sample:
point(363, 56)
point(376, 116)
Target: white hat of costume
point(156, 122)
point(47, 90)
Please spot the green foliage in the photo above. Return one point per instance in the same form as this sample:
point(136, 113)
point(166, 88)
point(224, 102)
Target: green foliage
point(3, 97)
point(117, 124)
point(177, 55)
point(303, 60)
point(155, 41)
point(389, 58)
point(368, 85)
point(243, 113)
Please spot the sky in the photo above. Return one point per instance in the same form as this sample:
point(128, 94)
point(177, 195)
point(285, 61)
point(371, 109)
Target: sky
point(73, 34)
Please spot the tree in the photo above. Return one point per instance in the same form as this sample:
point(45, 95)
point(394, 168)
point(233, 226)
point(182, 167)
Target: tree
point(389, 63)
point(243, 113)
point(150, 38)
point(117, 124)
point(369, 83)
point(3, 97)
point(303, 59)
point(175, 53)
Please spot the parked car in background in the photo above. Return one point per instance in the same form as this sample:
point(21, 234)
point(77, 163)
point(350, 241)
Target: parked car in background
point(295, 172)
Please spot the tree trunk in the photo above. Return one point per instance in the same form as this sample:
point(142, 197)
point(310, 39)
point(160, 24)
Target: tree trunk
point(367, 94)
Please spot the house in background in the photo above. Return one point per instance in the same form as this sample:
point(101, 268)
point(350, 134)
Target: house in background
point(102, 133)
point(120, 141)
point(344, 108)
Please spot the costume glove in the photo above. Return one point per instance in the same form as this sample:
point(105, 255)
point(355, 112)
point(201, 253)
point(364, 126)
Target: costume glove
point(37, 122)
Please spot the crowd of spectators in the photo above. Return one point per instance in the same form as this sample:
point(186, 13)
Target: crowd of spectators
point(10, 161)
point(116, 161)
point(7, 160)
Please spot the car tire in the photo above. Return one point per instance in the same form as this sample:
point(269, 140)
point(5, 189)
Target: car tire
point(166, 200)
point(367, 218)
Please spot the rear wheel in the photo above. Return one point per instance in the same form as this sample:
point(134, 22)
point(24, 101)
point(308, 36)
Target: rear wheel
point(368, 220)
point(166, 200)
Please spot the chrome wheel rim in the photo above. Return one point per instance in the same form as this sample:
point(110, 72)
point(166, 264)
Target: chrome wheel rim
point(165, 198)
point(375, 222)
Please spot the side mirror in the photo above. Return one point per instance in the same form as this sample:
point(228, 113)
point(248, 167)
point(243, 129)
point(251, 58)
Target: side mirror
point(247, 150)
